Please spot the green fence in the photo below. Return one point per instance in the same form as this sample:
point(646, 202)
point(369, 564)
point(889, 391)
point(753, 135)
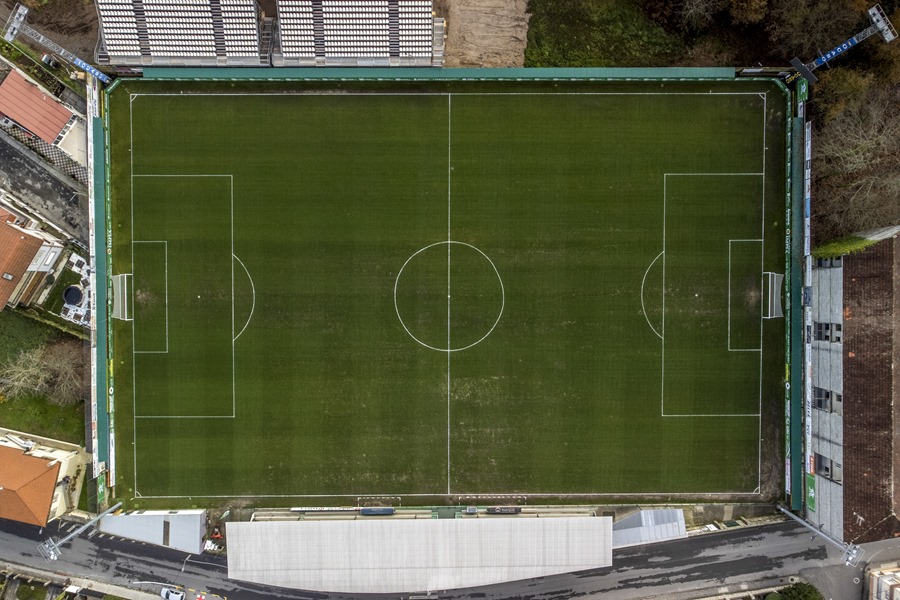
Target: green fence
point(399, 74)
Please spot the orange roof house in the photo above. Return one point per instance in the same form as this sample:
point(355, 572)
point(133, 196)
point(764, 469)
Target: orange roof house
point(27, 485)
point(40, 478)
point(31, 108)
point(17, 251)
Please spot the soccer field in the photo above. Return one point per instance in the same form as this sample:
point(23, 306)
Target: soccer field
point(448, 289)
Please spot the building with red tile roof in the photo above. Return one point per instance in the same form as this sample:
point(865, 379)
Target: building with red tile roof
point(40, 478)
point(32, 109)
point(26, 256)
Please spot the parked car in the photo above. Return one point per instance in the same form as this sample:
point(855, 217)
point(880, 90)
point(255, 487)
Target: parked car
point(170, 594)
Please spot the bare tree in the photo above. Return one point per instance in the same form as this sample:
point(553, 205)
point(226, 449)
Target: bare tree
point(748, 11)
point(803, 27)
point(68, 382)
point(857, 167)
point(699, 14)
point(25, 375)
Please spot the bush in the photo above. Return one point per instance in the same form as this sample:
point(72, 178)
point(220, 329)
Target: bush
point(595, 33)
point(801, 591)
point(846, 245)
point(28, 591)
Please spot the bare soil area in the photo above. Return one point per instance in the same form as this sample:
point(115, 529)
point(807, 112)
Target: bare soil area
point(484, 33)
point(70, 23)
point(480, 33)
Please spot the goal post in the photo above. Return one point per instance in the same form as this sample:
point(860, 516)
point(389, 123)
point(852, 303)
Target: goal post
point(774, 285)
point(121, 304)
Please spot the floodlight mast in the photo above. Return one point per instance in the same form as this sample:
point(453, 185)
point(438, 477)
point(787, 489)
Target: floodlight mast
point(50, 548)
point(880, 24)
point(16, 25)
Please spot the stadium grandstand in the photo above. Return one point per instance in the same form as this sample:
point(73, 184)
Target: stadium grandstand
point(179, 32)
point(136, 33)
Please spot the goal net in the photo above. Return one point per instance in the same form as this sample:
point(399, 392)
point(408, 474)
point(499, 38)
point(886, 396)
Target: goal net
point(774, 283)
point(121, 307)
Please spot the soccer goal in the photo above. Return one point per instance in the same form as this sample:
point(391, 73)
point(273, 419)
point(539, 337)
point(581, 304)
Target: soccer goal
point(774, 283)
point(121, 308)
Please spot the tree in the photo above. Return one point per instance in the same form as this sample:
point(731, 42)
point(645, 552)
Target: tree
point(68, 382)
point(856, 165)
point(58, 371)
point(24, 375)
point(801, 591)
point(748, 11)
point(699, 14)
point(804, 27)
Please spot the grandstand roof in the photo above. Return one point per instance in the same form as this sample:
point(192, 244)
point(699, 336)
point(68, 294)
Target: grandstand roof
point(392, 554)
point(26, 486)
point(27, 105)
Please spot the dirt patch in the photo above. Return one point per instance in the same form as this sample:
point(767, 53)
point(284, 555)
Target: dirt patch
point(70, 23)
point(480, 33)
point(485, 33)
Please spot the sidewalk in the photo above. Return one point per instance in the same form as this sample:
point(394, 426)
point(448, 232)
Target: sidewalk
point(46, 576)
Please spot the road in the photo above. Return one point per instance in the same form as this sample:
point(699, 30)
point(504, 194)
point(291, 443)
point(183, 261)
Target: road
point(673, 570)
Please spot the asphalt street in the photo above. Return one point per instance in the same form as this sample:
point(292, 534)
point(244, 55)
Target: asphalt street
point(719, 562)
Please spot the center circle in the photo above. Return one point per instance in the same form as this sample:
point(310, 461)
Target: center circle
point(449, 296)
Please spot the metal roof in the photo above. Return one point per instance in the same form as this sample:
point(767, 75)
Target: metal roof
point(27, 105)
point(179, 529)
point(372, 555)
point(648, 526)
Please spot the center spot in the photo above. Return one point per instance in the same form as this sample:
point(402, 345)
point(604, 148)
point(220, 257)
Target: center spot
point(449, 296)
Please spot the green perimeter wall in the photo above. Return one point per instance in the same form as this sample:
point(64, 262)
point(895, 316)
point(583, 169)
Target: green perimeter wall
point(300, 74)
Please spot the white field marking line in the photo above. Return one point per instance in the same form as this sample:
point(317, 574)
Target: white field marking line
point(185, 416)
point(233, 380)
point(663, 336)
point(133, 357)
point(653, 262)
point(166, 252)
point(499, 279)
point(449, 239)
point(356, 94)
point(762, 266)
point(730, 349)
point(182, 175)
point(692, 416)
point(134, 379)
point(755, 492)
point(253, 289)
point(710, 174)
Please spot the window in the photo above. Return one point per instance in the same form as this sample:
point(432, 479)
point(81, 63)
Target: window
point(821, 398)
point(828, 263)
point(828, 332)
point(837, 403)
point(829, 469)
point(8, 276)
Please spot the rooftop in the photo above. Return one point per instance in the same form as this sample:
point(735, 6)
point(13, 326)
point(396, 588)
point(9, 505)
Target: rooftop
point(27, 105)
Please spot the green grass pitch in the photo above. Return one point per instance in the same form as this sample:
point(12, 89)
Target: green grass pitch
point(445, 289)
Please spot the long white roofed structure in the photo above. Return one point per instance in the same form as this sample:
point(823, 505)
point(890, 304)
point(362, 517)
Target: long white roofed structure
point(393, 555)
